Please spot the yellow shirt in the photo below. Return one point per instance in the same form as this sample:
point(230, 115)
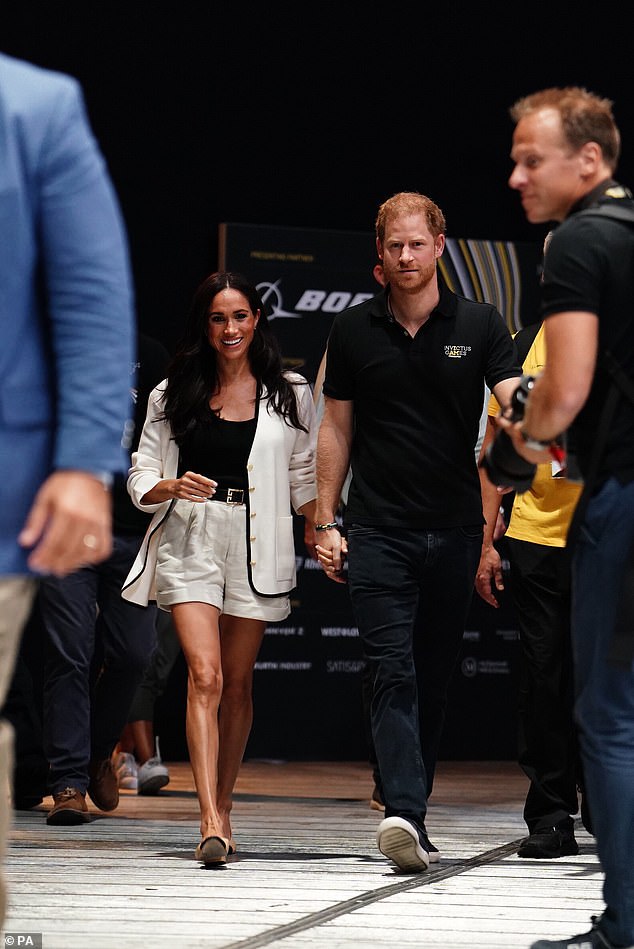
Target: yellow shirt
point(542, 514)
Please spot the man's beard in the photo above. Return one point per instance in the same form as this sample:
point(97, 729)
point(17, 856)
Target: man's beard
point(424, 277)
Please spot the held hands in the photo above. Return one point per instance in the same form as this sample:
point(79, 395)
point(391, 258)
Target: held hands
point(331, 553)
point(69, 524)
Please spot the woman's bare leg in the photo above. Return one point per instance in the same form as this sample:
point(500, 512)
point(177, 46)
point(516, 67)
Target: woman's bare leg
point(197, 628)
point(240, 642)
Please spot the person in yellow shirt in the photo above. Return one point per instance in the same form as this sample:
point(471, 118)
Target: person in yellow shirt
point(540, 591)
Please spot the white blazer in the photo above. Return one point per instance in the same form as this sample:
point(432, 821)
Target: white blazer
point(280, 473)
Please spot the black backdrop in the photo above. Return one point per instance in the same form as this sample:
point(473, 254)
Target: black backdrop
point(210, 112)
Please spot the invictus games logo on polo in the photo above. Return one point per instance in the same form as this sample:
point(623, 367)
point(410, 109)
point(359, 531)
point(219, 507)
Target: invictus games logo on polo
point(457, 352)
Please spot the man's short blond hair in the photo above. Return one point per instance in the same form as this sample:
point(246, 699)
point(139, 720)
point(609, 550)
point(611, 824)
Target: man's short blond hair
point(585, 117)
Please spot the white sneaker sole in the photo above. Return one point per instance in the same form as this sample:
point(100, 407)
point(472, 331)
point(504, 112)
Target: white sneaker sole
point(398, 841)
point(128, 783)
point(152, 785)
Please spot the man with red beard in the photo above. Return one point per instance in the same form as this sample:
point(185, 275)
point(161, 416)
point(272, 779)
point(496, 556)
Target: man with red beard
point(403, 391)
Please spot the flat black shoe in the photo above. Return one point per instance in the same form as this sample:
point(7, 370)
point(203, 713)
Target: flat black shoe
point(548, 845)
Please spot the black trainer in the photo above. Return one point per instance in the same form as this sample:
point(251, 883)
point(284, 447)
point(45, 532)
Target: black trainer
point(400, 840)
point(434, 852)
point(549, 844)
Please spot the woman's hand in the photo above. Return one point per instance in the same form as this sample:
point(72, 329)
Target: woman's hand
point(189, 487)
point(193, 487)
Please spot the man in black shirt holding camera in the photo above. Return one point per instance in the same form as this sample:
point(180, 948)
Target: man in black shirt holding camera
point(565, 148)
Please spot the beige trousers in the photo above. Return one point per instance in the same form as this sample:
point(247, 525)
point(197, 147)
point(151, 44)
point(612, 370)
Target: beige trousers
point(16, 597)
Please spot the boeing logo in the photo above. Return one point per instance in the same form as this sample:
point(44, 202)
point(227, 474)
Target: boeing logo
point(272, 298)
point(311, 301)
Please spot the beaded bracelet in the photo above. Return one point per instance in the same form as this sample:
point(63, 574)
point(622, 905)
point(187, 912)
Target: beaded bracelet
point(326, 527)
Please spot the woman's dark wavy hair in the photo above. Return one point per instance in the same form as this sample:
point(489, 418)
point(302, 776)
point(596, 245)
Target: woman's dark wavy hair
point(192, 376)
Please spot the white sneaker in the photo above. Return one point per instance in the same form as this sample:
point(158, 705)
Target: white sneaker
point(398, 839)
point(125, 768)
point(153, 775)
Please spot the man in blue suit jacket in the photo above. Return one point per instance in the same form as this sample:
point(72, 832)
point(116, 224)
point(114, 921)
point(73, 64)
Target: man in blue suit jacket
point(66, 344)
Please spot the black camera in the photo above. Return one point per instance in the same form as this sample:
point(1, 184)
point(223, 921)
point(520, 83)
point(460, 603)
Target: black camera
point(504, 467)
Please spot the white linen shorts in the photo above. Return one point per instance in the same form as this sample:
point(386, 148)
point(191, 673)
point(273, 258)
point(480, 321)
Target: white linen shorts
point(202, 557)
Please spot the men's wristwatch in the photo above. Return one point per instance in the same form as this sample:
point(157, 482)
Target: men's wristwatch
point(534, 443)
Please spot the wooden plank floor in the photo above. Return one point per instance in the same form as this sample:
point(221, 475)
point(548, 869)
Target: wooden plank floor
point(307, 872)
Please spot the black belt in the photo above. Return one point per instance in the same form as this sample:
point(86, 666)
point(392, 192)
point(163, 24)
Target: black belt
point(228, 495)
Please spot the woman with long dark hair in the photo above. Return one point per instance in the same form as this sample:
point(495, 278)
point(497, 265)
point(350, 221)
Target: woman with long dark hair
point(227, 447)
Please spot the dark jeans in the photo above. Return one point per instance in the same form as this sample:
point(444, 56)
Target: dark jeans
point(410, 591)
point(547, 743)
point(97, 648)
point(604, 690)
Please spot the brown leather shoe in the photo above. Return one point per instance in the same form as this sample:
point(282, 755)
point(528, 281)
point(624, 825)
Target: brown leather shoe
point(69, 807)
point(103, 785)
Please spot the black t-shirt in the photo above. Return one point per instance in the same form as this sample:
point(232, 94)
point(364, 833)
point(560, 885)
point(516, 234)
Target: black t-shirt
point(150, 369)
point(417, 407)
point(589, 267)
point(219, 449)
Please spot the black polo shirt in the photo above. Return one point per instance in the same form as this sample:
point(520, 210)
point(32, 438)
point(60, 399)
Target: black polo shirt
point(589, 267)
point(417, 406)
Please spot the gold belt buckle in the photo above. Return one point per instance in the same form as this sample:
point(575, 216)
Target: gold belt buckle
point(230, 495)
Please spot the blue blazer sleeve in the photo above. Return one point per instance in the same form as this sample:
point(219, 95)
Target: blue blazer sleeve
point(89, 292)
point(67, 323)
